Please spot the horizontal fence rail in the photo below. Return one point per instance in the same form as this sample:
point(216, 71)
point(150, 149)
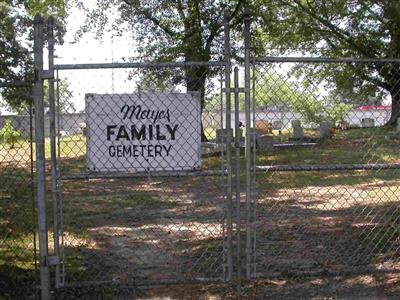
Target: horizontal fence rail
point(136, 65)
point(344, 167)
point(299, 59)
point(147, 175)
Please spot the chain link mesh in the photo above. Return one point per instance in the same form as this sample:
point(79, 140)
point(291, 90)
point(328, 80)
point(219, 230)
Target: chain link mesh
point(18, 270)
point(326, 179)
point(143, 201)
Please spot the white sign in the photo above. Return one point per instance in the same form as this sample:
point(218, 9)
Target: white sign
point(143, 132)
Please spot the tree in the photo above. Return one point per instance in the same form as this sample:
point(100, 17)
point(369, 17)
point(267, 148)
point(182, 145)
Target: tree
point(337, 28)
point(16, 62)
point(165, 30)
point(272, 90)
point(65, 100)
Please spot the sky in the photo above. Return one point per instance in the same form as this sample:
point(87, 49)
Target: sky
point(88, 49)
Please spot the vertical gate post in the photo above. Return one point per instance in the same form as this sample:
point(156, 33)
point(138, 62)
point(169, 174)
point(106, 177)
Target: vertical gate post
point(228, 141)
point(254, 161)
point(40, 158)
point(248, 143)
point(53, 154)
point(237, 183)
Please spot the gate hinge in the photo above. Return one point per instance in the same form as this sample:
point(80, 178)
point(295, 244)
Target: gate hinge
point(48, 74)
point(236, 90)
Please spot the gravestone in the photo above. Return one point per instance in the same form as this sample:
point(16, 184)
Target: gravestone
point(254, 136)
point(367, 122)
point(398, 126)
point(222, 135)
point(325, 129)
point(241, 137)
point(298, 132)
point(265, 142)
point(277, 125)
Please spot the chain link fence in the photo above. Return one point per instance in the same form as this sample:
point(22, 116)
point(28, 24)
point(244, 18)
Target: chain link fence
point(18, 263)
point(326, 175)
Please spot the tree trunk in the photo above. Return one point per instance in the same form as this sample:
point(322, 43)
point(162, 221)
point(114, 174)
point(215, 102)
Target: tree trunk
point(395, 109)
point(395, 113)
point(196, 82)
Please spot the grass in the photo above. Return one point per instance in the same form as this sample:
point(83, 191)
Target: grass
point(98, 203)
point(210, 133)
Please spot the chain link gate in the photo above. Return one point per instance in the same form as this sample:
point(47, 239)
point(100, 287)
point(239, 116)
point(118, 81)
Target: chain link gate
point(123, 215)
point(161, 212)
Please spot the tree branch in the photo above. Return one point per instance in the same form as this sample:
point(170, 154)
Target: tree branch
point(148, 15)
point(218, 26)
point(339, 33)
point(375, 81)
point(180, 10)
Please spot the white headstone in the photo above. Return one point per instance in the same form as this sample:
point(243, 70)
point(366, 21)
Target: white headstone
point(277, 125)
point(398, 125)
point(265, 142)
point(367, 122)
point(325, 129)
point(298, 133)
point(222, 135)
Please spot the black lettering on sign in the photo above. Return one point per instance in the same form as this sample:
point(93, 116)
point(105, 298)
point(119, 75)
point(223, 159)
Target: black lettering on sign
point(160, 137)
point(158, 129)
point(111, 151)
point(145, 151)
point(167, 149)
point(122, 134)
point(158, 150)
point(150, 151)
point(127, 151)
point(152, 132)
point(138, 135)
point(135, 112)
point(110, 131)
point(172, 131)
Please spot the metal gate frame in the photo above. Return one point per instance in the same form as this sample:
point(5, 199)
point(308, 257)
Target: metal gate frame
point(56, 260)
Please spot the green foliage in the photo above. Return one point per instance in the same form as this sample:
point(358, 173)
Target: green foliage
point(9, 134)
point(164, 30)
point(336, 28)
point(16, 61)
point(273, 90)
point(55, 8)
point(168, 31)
point(338, 112)
point(65, 96)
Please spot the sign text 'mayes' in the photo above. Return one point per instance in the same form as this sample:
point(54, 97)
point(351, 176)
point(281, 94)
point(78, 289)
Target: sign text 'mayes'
point(147, 131)
point(136, 111)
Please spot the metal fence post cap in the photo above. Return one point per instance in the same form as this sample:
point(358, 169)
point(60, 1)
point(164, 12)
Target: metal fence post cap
point(38, 19)
point(226, 14)
point(246, 13)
